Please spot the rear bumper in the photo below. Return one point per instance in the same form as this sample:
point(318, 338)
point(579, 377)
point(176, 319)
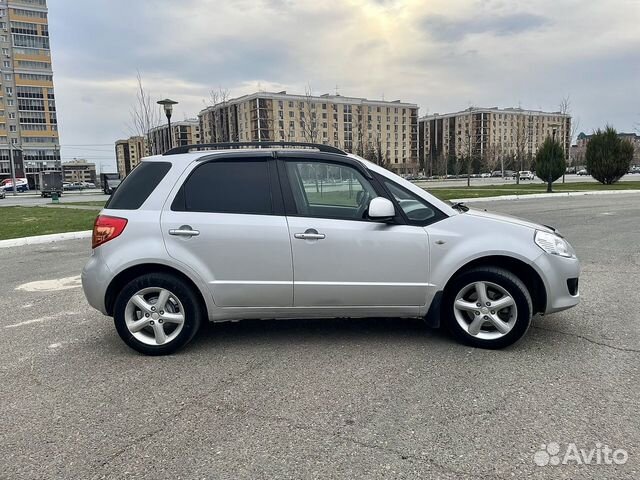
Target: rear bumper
point(560, 276)
point(95, 281)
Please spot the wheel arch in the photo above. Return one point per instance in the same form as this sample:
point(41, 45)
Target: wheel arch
point(128, 274)
point(526, 273)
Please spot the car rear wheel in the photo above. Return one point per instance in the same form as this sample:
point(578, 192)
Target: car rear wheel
point(487, 307)
point(157, 314)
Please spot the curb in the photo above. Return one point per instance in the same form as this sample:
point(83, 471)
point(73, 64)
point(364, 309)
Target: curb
point(39, 239)
point(542, 195)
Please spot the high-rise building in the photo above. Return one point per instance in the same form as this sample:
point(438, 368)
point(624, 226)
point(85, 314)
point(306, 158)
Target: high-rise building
point(385, 131)
point(129, 151)
point(488, 136)
point(185, 132)
point(28, 124)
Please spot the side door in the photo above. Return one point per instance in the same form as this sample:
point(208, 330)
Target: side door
point(227, 222)
point(340, 257)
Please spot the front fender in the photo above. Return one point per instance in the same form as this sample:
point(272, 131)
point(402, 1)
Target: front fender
point(461, 239)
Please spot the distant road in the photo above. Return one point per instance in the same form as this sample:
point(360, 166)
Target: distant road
point(459, 182)
point(32, 198)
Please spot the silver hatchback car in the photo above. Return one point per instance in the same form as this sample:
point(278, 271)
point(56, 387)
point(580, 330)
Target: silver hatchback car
point(275, 230)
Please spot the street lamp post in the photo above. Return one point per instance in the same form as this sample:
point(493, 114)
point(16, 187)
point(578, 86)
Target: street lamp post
point(168, 104)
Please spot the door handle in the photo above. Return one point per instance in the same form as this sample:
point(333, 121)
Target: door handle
point(184, 231)
point(309, 234)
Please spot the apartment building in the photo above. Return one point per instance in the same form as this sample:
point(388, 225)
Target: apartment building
point(28, 123)
point(129, 151)
point(489, 136)
point(186, 132)
point(579, 150)
point(79, 171)
point(384, 131)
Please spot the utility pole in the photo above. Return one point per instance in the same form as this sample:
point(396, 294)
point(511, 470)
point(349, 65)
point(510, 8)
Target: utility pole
point(13, 168)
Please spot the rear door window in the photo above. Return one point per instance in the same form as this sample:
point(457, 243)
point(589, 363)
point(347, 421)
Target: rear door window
point(138, 185)
point(234, 186)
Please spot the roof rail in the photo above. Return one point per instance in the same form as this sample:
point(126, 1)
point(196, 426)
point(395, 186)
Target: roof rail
point(240, 145)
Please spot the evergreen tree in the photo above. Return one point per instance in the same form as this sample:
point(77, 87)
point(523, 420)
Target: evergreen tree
point(608, 156)
point(550, 164)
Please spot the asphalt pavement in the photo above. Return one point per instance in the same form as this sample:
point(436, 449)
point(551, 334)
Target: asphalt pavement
point(374, 398)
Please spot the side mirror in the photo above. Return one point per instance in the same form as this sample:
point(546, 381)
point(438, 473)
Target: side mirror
point(381, 209)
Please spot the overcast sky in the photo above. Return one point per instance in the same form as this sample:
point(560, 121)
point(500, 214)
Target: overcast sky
point(444, 55)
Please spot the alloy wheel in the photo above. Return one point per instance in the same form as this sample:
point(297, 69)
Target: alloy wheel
point(485, 310)
point(154, 316)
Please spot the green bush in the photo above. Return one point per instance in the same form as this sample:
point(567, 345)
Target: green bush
point(608, 156)
point(550, 164)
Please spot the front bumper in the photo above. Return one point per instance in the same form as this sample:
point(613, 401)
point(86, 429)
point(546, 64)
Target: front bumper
point(96, 277)
point(560, 276)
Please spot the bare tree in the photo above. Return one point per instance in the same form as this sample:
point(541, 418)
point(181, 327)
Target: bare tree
point(145, 114)
point(360, 131)
point(565, 108)
point(492, 156)
point(220, 116)
point(308, 116)
point(522, 137)
point(467, 149)
point(374, 152)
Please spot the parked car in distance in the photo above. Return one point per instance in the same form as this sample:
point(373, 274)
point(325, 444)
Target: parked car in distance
point(88, 184)
point(509, 174)
point(21, 185)
point(634, 169)
point(72, 186)
point(525, 175)
point(242, 232)
point(18, 188)
point(485, 175)
point(496, 173)
point(2, 194)
point(583, 172)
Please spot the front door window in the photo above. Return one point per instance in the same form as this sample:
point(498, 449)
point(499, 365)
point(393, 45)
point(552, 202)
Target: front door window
point(329, 190)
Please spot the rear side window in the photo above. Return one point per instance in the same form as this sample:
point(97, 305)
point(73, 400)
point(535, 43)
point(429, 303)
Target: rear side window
point(138, 185)
point(227, 187)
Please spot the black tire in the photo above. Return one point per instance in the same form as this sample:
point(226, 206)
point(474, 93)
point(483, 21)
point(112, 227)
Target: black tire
point(193, 311)
point(505, 279)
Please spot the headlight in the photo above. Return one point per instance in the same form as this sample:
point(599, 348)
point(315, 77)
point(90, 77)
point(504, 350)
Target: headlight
point(553, 244)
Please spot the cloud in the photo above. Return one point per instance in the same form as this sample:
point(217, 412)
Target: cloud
point(446, 29)
point(441, 54)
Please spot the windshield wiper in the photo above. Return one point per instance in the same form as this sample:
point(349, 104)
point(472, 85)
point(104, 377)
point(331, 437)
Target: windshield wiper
point(460, 206)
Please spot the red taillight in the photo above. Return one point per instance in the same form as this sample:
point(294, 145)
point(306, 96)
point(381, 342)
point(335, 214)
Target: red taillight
point(106, 228)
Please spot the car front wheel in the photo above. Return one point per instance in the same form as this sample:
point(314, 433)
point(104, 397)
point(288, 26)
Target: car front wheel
point(487, 307)
point(157, 314)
